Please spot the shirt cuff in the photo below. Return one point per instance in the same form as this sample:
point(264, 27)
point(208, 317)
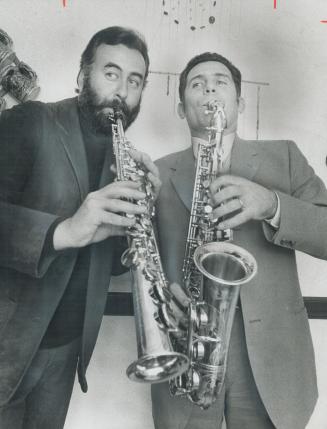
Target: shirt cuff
point(275, 220)
point(48, 248)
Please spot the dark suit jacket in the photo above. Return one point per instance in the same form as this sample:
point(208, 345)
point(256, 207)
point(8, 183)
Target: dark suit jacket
point(43, 176)
point(275, 319)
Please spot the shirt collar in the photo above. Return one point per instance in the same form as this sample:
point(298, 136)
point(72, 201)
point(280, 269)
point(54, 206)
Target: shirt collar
point(228, 141)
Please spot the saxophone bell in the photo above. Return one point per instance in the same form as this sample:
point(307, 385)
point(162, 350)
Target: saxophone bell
point(225, 263)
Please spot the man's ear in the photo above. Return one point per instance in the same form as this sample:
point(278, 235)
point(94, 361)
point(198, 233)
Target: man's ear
point(241, 105)
point(180, 110)
point(80, 79)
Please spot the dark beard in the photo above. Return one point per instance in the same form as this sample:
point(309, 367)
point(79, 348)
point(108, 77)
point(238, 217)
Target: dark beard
point(100, 114)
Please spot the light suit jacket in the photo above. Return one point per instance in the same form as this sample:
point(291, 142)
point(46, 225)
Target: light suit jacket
point(43, 177)
point(275, 319)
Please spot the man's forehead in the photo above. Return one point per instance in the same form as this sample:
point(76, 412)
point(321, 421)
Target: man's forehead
point(208, 68)
point(126, 58)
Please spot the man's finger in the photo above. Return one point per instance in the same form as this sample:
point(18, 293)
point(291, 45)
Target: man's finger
point(225, 209)
point(180, 315)
point(123, 189)
point(155, 182)
point(145, 159)
point(225, 180)
point(234, 221)
point(120, 206)
point(113, 219)
point(113, 168)
point(180, 294)
point(225, 194)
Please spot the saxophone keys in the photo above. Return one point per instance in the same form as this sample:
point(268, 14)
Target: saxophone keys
point(148, 189)
point(165, 318)
point(149, 272)
point(202, 317)
point(206, 183)
point(140, 173)
point(198, 350)
point(159, 294)
point(130, 215)
point(129, 258)
point(195, 379)
point(207, 209)
point(194, 292)
point(183, 384)
point(145, 224)
point(134, 177)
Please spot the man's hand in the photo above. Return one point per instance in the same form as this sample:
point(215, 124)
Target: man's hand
point(249, 200)
point(179, 305)
point(152, 170)
point(101, 215)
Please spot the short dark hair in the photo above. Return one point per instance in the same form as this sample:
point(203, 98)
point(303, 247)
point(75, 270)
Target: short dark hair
point(209, 56)
point(114, 36)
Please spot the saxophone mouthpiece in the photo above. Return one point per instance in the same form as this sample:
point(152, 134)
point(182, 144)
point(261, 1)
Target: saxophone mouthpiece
point(117, 108)
point(213, 106)
point(119, 112)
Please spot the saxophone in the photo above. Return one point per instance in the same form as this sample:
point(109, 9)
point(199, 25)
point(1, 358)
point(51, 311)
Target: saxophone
point(154, 320)
point(213, 271)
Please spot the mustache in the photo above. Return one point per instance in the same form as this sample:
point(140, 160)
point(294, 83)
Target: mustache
point(113, 110)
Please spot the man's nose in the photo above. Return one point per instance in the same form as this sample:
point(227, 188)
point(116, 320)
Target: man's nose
point(210, 88)
point(122, 90)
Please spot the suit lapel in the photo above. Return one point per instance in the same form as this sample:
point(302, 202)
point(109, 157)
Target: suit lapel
point(107, 176)
point(244, 163)
point(183, 176)
point(244, 158)
point(72, 140)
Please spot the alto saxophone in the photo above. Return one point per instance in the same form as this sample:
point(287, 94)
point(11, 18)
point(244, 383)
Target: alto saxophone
point(213, 271)
point(154, 320)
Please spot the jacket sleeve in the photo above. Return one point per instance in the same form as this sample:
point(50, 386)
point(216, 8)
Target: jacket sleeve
point(23, 230)
point(303, 221)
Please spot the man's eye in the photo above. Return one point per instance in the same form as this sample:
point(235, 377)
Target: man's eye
point(221, 82)
point(135, 83)
point(111, 76)
point(196, 84)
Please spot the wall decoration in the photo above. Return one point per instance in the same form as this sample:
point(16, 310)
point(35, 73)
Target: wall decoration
point(16, 77)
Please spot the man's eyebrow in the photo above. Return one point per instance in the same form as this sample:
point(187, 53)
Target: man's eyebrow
point(109, 64)
point(116, 66)
point(202, 76)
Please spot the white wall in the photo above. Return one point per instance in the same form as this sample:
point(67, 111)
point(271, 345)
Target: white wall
point(285, 47)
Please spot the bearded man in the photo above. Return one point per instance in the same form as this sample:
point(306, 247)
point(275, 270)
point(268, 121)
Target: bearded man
point(62, 219)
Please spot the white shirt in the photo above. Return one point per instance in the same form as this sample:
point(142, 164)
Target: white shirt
point(227, 145)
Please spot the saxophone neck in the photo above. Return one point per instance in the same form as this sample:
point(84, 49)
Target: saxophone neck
point(218, 120)
point(216, 129)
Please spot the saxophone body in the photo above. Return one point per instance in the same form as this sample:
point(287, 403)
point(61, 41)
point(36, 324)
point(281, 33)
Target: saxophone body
point(214, 269)
point(154, 321)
